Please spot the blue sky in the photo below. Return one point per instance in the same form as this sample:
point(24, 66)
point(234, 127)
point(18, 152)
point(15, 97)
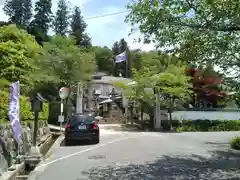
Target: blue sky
point(104, 31)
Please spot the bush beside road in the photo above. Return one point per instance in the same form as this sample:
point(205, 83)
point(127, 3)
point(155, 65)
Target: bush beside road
point(235, 143)
point(25, 108)
point(207, 125)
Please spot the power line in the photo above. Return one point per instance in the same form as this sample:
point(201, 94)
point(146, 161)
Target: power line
point(105, 15)
point(111, 14)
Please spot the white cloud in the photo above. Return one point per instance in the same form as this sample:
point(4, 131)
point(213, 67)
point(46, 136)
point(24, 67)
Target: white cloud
point(3, 17)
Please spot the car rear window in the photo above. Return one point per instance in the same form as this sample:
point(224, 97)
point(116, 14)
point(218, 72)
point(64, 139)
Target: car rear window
point(80, 118)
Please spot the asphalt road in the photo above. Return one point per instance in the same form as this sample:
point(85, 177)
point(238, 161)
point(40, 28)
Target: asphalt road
point(145, 156)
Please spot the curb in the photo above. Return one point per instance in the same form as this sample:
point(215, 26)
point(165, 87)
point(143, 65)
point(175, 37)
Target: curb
point(55, 145)
point(33, 175)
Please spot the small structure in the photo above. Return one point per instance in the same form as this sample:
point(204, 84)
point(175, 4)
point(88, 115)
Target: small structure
point(109, 101)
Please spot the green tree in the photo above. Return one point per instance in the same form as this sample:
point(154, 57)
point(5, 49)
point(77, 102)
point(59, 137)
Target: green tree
point(164, 73)
point(18, 53)
point(42, 19)
point(115, 50)
point(63, 62)
point(136, 58)
point(173, 86)
point(61, 20)
point(104, 59)
point(19, 12)
point(123, 46)
point(198, 31)
point(78, 28)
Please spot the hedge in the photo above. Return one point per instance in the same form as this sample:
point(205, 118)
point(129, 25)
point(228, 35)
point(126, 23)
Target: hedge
point(207, 125)
point(235, 143)
point(25, 108)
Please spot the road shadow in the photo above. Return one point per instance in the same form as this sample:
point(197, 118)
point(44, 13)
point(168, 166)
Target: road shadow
point(78, 143)
point(223, 165)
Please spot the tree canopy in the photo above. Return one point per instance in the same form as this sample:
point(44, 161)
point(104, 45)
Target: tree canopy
point(64, 62)
point(195, 35)
point(18, 51)
point(197, 31)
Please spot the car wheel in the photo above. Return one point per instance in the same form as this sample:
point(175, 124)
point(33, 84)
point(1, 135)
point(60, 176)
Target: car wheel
point(67, 142)
point(96, 140)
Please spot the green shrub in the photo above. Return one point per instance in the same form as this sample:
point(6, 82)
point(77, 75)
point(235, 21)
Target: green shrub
point(54, 111)
point(25, 108)
point(207, 125)
point(235, 143)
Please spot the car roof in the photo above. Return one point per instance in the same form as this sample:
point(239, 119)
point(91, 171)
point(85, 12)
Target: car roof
point(82, 116)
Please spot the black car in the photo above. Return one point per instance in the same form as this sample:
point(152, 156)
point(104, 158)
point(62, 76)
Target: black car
point(81, 127)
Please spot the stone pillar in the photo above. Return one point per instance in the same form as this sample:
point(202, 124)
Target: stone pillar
point(90, 96)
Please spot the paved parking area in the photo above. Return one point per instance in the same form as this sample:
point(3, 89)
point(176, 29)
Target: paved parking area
point(122, 155)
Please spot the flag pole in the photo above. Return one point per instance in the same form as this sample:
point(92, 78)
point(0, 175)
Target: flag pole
point(126, 64)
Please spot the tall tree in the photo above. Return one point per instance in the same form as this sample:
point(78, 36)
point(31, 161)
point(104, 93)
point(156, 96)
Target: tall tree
point(122, 45)
point(115, 50)
point(19, 12)
point(42, 19)
point(78, 28)
point(104, 59)
point(61, 19)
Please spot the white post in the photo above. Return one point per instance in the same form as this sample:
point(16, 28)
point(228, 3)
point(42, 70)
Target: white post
point(90, 94)
point(61, 113)
point(159, 111)
point(157, 118)
point(79, 108)
point(156, 112)
point(63, 94)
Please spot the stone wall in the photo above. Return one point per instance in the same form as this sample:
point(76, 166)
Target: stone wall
point(8, 147)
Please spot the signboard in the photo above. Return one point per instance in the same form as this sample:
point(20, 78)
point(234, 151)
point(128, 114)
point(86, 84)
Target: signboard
point(60, 118)
point(64, 92)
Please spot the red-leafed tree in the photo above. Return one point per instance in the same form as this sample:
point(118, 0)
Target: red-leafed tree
point(206, 88)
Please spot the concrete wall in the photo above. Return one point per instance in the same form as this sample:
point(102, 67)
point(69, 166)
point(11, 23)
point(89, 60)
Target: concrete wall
point(211, 115)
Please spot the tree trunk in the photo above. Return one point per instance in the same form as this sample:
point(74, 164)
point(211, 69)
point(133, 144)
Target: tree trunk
point(131, 114)
point(171, 101)
point(170, 120)
point(141, 113)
